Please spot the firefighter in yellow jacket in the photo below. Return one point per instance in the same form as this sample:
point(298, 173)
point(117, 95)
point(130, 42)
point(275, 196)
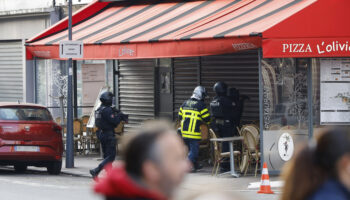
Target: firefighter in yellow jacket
point(192, 114)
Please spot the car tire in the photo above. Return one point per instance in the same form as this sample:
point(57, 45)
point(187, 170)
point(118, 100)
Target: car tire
point(54, 167)
point(20, 168)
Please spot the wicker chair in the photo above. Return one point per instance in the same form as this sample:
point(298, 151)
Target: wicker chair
point(251, 153)
point(119, 130)
point(253, 129)
point(219, 155)
point(58, 120)
point(204, 145)
point(85, 133)
point(84, 120)
point(93, 139)
point(78, 133)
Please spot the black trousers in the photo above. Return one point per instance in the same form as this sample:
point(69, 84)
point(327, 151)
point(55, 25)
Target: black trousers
point(108, 143)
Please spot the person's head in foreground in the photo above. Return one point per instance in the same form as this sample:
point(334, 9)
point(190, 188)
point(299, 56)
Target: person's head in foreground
point(321, 170)
point(155, 163)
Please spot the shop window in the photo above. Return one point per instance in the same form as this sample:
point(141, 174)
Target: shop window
point(331, 92)
point(285, 93)
point(285, 108)
point(41, 76)
point(92, 76)
point(50, 84)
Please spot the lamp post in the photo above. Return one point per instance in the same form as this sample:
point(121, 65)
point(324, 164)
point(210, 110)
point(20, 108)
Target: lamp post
point(70, 143)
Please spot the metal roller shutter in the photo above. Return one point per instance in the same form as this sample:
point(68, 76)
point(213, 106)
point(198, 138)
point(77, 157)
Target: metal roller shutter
point(239, 70)
point(11, 71)
point(185, 75)
point(136, 90)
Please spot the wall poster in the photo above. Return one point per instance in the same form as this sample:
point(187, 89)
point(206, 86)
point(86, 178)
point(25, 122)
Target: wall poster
point(93, 79)
point(335, 91)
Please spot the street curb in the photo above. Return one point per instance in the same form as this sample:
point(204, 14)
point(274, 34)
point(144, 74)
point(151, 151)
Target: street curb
point(76, 174)
point(65, 172)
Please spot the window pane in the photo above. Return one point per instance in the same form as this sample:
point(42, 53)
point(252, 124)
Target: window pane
point(331, 92)
point(25, 114)
point(285, 108)
point(41, 82)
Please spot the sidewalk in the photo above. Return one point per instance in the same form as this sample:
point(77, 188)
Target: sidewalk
point(193, 182)
point(82, 165)
point(245, 186)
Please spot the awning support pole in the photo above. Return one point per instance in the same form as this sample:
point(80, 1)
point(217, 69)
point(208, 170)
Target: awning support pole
point(70, 144)
point(261, 117)
point(310, 98)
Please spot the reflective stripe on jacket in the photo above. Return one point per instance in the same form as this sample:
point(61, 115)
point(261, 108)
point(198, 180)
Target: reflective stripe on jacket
point(192, 114)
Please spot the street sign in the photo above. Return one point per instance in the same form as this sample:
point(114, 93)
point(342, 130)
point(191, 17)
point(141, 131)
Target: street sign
point(71, 49)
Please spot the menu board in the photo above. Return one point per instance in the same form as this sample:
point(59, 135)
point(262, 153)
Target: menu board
point(93, 79)
point(335, 91)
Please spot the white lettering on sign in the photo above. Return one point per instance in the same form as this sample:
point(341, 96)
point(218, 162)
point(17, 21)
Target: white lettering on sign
point(125, 51)
point(321, 48)
point(42, 54)
point(243, 46)
point(335, 46)
point(296, 48)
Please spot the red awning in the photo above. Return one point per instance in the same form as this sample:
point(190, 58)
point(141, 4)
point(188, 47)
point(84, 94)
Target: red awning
point(320, 30)
point(167, 28)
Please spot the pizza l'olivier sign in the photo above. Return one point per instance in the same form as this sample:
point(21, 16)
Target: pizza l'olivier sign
point(307, 48)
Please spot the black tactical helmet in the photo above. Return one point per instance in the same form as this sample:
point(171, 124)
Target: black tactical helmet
point(220, 88)
point(106, 98)
point(199, 93)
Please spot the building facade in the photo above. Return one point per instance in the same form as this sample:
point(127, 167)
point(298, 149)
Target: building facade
point(19, 21)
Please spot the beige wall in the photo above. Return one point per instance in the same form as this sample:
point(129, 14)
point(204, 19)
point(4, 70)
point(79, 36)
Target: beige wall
point(22, 27)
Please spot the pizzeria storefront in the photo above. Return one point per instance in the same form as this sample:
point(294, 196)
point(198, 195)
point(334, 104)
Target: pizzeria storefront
point(301, 47)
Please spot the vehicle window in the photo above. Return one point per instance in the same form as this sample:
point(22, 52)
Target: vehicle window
point(25, 114)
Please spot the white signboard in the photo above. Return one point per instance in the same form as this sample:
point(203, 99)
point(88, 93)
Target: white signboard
point(71, 49)
point(335, 91)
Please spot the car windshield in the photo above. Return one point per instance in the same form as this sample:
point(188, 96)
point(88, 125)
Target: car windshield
point(25, 114)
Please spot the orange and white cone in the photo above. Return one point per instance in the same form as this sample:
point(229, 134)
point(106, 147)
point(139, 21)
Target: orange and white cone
point(265, 187)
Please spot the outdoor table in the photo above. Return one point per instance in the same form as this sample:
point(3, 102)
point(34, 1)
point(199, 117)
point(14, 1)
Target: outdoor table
point(232, 160)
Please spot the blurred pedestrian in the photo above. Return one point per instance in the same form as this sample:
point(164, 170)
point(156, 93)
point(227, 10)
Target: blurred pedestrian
point(192, 114)
point(154, 165)
point(320, 171)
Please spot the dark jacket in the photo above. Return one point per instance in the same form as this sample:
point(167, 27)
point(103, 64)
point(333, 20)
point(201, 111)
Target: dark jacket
point(117, 185)
point(110, 118)
point(222, 107)
point(331, 190)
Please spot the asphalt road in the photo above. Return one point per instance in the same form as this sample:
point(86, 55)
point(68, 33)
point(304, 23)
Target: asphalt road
point(38, 185)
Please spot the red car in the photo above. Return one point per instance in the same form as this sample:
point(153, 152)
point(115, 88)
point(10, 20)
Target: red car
point(29, 137)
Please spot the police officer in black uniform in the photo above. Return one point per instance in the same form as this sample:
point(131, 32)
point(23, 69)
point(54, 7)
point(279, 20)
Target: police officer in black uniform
point(107, 119)
point(222, 109)
point(239, 101)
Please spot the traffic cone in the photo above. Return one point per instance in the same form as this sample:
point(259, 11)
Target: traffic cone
point(265, 187)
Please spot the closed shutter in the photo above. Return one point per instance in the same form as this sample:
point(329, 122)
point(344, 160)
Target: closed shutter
point(239, 70)
point(136, 90)
point(185, 80)
point(11, 71)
